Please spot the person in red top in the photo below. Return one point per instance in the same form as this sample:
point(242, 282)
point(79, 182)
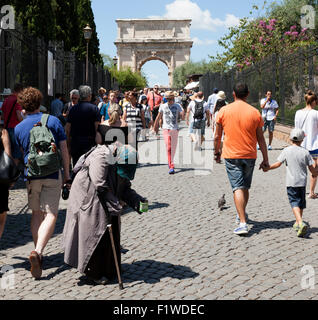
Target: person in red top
point(11, 114)
point(154, 101)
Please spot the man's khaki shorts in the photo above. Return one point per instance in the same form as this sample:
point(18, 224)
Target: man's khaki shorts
point(44, 194)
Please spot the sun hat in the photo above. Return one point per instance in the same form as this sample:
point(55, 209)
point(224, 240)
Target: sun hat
point(169, 95)
point(176, 94)
point(297, 135)
point(222, 95)
point(6, 92)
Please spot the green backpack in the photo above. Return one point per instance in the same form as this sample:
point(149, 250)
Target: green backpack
point(44, 157)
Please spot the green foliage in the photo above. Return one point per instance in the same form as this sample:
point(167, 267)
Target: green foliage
point(60, 20)
point(279, 32)
point(128, 80)
point(107, 61)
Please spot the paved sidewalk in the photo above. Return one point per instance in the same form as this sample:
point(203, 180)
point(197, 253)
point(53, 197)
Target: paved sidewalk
point(183, 248)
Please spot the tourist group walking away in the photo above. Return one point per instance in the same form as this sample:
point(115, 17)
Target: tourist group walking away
point(88, 146)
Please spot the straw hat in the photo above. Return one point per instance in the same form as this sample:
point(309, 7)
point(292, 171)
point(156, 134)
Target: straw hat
point(169, 95)
point(176, 94)
point(222, 95)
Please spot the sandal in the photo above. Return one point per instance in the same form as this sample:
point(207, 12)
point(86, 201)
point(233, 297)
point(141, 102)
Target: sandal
point(313, 196)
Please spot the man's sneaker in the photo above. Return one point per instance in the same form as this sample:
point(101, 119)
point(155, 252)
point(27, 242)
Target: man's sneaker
point(36, 265)
point(171, 171)
point(270, 148)
point(143, 206)
point(237, 219)
point(302, 230)
point(241, 230)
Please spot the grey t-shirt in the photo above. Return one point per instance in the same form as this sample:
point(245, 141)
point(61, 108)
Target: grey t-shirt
point(170, 116)
point(297, 159)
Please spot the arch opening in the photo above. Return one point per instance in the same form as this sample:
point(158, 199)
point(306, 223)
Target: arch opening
point(156, 72)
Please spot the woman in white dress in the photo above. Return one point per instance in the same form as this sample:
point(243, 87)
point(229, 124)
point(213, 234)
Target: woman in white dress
point(307, 120)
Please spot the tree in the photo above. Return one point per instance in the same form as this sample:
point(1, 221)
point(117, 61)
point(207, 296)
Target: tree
point(60, 20)
point(128, 80)
point(180, 73)
point(107, 61)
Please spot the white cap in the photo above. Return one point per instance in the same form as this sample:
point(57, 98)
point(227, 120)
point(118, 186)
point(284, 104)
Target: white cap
point(297, 135)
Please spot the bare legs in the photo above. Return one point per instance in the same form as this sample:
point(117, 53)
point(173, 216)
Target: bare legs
point(241, 197)
point(3, 218)
point(298, 215)
point(313, 183)
point(42, 228)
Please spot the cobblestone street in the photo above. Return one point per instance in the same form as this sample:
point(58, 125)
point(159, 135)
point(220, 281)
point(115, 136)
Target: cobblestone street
point(183, 248)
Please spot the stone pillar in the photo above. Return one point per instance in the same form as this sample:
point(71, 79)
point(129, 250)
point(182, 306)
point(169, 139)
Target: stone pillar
point(134, 60)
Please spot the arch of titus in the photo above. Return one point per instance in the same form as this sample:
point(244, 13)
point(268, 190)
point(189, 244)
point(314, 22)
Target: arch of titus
point(142, 40)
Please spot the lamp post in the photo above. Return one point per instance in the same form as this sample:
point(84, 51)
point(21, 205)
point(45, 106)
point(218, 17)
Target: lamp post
point(115, 60)
point(87, 36)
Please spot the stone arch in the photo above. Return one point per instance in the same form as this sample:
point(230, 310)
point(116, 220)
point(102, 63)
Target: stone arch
point(143, 40)
point(140, 64)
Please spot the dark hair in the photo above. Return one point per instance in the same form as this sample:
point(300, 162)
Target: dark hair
point(310, 97)
point(134, 94)
point(216, 90)
point(241, 90)
point(30, 99)
point(200, 94)
point(58, 95)
point(18, 87)
point(219, 105)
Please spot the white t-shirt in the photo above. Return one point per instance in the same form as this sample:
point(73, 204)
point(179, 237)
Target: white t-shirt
point(191, 108)
point(270, 109)
point(307, 120)
point(170, 116)
point(100, 105)
point(212, 101)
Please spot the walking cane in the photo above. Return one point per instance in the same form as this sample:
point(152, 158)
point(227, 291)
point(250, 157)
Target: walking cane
point(109, 227)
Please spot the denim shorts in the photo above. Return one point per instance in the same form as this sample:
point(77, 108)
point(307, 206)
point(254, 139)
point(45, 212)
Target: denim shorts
point(314, 153)
point(199, 125)
point(240, 172)
point(270, 125)
point(297, 197)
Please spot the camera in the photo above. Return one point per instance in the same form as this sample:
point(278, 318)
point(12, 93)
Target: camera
point(65, 192)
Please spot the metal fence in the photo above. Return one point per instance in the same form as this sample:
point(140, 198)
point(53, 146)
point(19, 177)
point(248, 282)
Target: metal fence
point(288, 77)
point(24, 59)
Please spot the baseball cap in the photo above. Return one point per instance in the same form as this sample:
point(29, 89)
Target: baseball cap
point(297, 135)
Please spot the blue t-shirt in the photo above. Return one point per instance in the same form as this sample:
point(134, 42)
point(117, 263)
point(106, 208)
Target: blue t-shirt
point(104, 111)
point(22, 134)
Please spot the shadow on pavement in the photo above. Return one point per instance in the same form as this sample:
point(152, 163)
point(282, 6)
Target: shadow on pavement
point(150, 165)
point(17, 231)
point(149, 271)
point(257, 227)
point(152, 206)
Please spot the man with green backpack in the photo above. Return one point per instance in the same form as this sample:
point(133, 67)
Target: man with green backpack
point(43, 141)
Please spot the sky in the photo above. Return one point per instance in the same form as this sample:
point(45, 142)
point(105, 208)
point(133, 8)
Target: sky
point(211, 20)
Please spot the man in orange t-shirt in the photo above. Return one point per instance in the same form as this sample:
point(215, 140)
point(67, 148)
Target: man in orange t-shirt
point(242, 125)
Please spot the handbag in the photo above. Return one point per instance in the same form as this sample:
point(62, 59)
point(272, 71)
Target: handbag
point(9, 172)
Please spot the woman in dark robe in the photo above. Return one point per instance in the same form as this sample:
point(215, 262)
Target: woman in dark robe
point(86, 239)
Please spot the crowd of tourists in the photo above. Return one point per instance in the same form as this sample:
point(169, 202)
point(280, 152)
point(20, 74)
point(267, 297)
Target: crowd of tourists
point(89, 147)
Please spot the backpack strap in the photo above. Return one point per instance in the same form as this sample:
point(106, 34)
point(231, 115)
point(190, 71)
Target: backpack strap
point(44, 119)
